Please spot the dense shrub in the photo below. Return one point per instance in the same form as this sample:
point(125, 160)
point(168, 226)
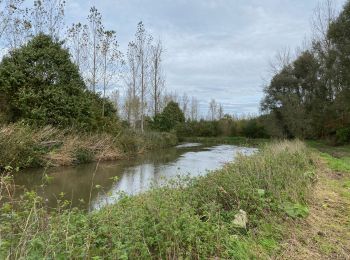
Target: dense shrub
point(171, 116)
point(251, 128)
point(343, 135)
point(254, 129)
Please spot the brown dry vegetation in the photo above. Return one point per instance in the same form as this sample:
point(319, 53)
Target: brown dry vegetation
point(97, 147)
point(325, 233)
point(24, 146)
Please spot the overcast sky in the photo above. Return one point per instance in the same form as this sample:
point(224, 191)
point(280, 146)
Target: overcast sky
point(214, 48)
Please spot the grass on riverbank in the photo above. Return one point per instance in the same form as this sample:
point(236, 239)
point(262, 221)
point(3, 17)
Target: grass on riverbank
point(193, 219)
point(24, 146)
point(325, 233)
point(337, 157)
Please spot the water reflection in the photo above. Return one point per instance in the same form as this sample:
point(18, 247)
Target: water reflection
point(92, 185)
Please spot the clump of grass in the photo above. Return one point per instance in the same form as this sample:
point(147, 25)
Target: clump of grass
point(18, 146)
point(188, 219)
point(136, 142)
point(23, 146)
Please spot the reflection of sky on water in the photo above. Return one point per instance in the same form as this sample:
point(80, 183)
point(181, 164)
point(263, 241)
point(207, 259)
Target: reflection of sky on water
point(188, 145)
point(140, 178)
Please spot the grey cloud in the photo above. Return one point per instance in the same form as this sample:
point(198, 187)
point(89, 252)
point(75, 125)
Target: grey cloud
point(214, 48)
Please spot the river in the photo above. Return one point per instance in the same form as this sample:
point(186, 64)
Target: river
point(94, 185)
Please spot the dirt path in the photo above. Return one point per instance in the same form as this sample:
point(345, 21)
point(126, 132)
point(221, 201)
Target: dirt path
point(325, 234)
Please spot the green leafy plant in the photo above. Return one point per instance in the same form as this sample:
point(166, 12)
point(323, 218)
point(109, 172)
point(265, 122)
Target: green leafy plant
point(295, 210)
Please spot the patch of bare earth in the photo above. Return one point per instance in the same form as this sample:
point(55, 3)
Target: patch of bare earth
point(325, 233)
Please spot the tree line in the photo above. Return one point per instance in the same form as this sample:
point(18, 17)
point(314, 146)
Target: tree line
point(95, 51)
point(309, 96)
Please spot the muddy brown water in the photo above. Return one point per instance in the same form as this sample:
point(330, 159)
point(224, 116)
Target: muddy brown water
point(94, 185)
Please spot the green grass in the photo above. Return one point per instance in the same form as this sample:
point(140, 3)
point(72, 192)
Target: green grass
point(188, 219)
point(337, 164)
point(336, 151)
point(336, 157)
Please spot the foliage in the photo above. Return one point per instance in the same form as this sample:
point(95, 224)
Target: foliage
point(309, 97)
point(253, 129)
point(227, 126)
point(343, 135)
point(41, 85)
point(185, 219)
point(296, 210)
point(169, 118)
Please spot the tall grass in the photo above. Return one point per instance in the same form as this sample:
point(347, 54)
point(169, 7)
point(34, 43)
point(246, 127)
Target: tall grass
point(24, 146)
point(188, 219)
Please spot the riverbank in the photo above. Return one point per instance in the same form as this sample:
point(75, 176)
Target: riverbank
point(24, 146)
point(325, 233)
point(237, 213)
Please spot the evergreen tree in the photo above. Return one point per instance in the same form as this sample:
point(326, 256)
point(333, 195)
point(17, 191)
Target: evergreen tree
point(41, 85)
point(171, 116)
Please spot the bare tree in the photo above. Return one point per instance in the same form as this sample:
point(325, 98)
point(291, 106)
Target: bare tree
point(4, 17)
point(20, 22)
point(77, 42)
point(115, 99)
point(111, 61)
point(281, 59)
point(94, 44)
point(194, 109)
point(15, 28)
point(46, 16)
point(143, 42)
point(220, 111)
point(157, 78)
point(132, 100)
point(212, 109)
point(184, 104)
point(167, 97)
point(8, 11)
point(128, 107)
point(324, 14)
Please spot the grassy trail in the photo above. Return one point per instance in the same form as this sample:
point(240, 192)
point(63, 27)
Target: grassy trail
point(325, 233)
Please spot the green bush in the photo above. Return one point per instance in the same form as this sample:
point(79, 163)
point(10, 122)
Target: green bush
point(227, 126)
point(253, 129)
point(169, 118)
point(343, 135)
point(40, 84)
point(83, 155)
